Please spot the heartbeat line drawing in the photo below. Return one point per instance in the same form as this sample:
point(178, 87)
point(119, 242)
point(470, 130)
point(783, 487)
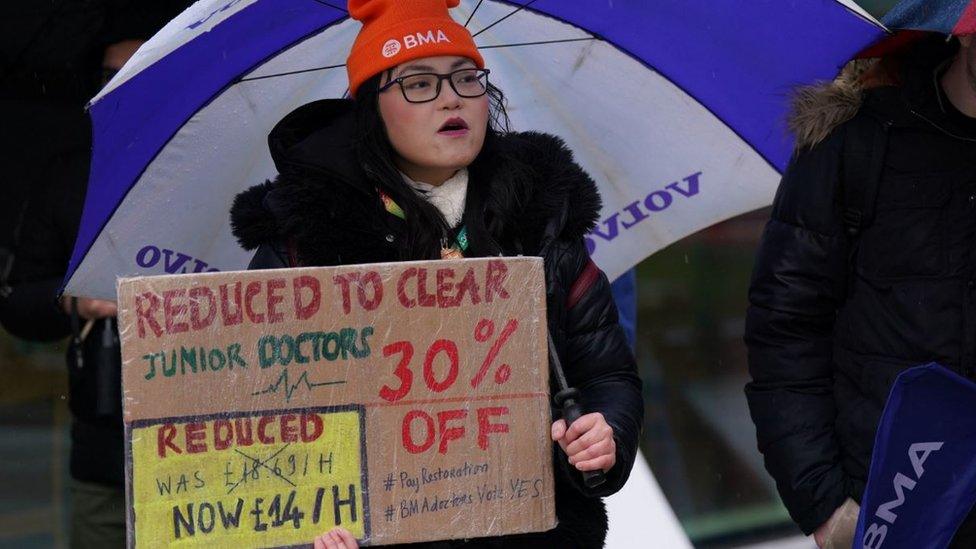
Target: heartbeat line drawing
point(290, 388)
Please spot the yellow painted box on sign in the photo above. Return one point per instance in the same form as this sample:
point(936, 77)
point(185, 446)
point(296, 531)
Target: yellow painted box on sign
point(281, 476)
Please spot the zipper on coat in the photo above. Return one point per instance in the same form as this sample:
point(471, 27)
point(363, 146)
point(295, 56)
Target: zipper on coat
point(941, 129)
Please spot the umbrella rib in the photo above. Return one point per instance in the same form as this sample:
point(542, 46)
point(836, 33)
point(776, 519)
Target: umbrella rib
point(538, 43)
point(470, 17)
point(520, 8)
point(290, 73)
point(324, 3)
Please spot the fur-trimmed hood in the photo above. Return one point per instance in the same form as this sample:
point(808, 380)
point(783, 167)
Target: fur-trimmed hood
point(819, 108)
point(890, 88)
point(323, 201)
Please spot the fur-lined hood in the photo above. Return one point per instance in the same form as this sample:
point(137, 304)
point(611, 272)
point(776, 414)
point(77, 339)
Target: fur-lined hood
point(897, 85)
point(819, 108)
point(322, 198)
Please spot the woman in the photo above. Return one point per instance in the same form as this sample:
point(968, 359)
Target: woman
point(420, 166)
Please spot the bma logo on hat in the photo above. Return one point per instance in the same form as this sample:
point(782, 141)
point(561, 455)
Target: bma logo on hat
point(391, 48)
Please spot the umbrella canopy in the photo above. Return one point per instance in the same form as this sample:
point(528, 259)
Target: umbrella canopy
point(675, 107)
point(945, 16)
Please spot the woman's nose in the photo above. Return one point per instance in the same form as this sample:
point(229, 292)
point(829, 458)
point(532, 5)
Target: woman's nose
point(449, 99)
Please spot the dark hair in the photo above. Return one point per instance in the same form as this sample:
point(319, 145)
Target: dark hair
point(426, 227)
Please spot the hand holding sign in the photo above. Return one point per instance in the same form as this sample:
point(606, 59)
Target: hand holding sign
point(588, 442)
point(336, 538)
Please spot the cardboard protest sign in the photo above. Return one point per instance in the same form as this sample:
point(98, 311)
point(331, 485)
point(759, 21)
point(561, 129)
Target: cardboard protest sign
point(405, 402)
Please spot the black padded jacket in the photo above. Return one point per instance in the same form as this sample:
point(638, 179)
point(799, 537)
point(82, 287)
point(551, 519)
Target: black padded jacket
point(835, 316)
point(320, 211)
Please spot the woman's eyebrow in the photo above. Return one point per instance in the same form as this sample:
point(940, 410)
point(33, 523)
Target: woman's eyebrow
point(427, 68)
point(414, 68)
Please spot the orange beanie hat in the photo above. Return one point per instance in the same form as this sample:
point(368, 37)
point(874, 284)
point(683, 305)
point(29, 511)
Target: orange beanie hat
point(397, 31)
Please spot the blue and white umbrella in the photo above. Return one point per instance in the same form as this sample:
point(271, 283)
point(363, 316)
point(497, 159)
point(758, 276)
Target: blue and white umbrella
point(675, 107)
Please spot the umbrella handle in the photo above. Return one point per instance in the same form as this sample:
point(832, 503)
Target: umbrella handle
point(567, 400)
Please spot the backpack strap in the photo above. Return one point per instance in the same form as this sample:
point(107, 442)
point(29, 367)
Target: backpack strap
point(865, 145)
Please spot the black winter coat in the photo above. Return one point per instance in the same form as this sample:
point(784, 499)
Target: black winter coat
point(50, 65)
point(834, 318)
point(29, 310)
point(322, 206)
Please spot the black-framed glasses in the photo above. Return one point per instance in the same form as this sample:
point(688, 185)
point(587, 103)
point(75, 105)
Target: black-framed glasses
point(426, 86)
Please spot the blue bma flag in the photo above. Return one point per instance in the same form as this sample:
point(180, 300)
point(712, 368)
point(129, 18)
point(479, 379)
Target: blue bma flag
point(922, 482)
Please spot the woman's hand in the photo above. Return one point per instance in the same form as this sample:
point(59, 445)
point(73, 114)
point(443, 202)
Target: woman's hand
point(588, 442)
point(336, 538)
point(91, 309)
point(838, 531)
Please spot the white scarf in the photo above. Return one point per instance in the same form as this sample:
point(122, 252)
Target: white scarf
point(448, 197)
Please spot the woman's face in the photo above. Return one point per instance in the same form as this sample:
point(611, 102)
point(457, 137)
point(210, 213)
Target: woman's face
point(969, 50)
point(435, 139)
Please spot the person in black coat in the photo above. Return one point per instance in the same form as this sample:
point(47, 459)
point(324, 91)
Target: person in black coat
point(866, 268)
point(52, 61)
point(418, 167)
point(54, 56)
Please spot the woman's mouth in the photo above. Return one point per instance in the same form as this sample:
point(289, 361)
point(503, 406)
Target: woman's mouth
point(454, 127)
